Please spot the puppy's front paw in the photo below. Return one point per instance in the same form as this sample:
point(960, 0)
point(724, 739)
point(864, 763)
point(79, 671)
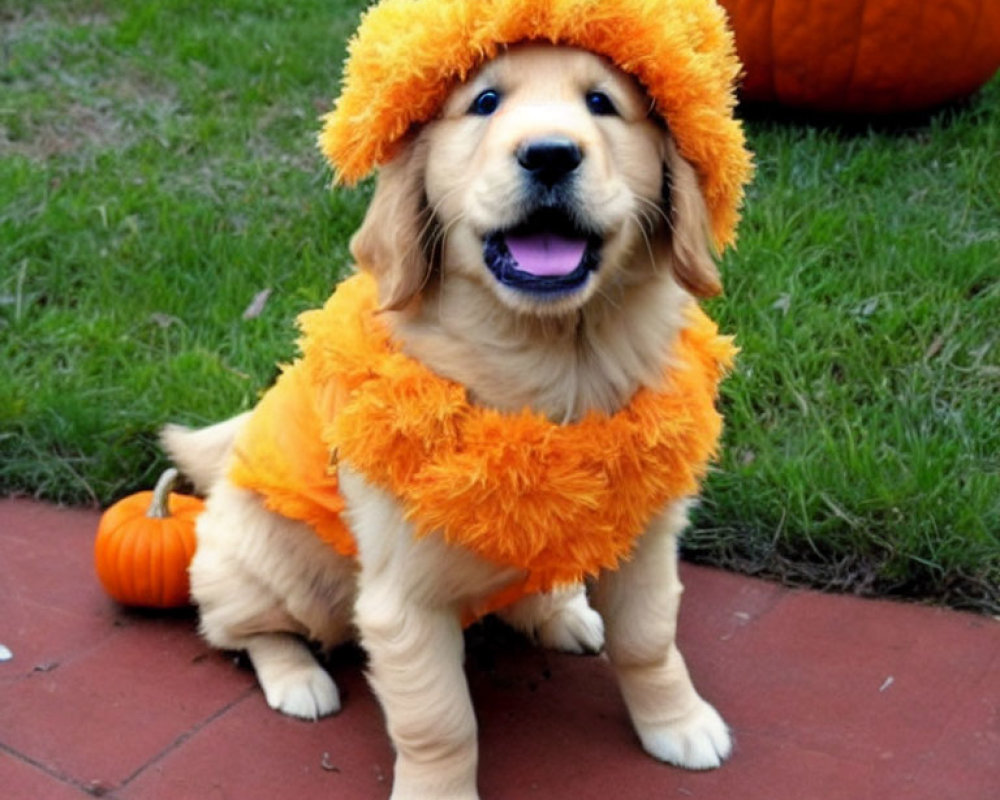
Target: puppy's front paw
point(307, 692)
point(574, 628)
point(699, 740)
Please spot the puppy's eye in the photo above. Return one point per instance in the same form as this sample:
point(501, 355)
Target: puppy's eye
point(600, 104)
point(486, 103)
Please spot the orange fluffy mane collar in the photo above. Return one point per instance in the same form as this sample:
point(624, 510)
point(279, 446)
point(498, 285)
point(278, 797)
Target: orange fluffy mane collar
point(559, 502)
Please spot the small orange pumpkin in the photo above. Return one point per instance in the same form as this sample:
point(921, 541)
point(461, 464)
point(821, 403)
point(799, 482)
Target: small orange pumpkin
point(144, 545)
point(865, 56)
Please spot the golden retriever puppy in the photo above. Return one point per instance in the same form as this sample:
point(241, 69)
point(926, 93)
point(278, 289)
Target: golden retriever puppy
point(538, 242)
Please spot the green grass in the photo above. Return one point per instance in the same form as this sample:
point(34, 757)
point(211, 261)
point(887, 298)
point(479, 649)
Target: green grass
point(158, 170)
point(863, 448)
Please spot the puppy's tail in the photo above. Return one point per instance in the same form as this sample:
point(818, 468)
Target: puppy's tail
point(202, 454)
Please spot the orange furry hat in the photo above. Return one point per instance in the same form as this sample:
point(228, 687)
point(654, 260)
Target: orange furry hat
point(559, 502)
point(407, 54)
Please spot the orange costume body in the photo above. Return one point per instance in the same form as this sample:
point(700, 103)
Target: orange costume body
point(559, 502)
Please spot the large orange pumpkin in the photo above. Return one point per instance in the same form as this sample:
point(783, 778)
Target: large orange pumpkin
point(865, 56)
point(144, 545)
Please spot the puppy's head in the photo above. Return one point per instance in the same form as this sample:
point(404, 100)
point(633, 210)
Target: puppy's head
point(546, 179)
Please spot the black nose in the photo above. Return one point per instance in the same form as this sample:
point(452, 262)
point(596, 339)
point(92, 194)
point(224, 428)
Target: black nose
point(549, 160)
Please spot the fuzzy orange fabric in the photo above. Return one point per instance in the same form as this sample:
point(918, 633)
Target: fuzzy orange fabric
point(407, 54)
point(559, 502)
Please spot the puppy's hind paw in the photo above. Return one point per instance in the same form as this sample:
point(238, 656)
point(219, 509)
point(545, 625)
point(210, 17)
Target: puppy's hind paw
point(698, 740)
point(304, 692)
point(574, 628)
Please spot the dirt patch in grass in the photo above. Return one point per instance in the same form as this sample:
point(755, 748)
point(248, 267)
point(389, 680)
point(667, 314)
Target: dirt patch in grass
point(73, 128)
point(33, 20)
point(61, 96)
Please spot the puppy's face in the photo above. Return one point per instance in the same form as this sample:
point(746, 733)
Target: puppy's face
point(545, 179)
point(541, 170)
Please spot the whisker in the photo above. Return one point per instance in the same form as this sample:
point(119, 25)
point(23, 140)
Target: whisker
point(605, 295)
point(442, 236)
point(657, 209)
point(436, 238)
point(649, 249)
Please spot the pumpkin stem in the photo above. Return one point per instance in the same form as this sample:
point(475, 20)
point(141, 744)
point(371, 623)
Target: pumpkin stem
point(159, 507)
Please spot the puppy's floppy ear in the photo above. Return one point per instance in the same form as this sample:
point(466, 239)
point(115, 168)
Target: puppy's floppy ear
point(690, 238)
point(391, 240)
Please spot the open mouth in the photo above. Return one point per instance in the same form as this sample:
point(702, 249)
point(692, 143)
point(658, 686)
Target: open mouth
point(547, 254)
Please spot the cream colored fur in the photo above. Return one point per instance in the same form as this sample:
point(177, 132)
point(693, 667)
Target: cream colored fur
point(266, 584)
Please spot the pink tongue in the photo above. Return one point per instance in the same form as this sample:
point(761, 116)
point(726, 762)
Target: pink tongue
point(545, 254)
